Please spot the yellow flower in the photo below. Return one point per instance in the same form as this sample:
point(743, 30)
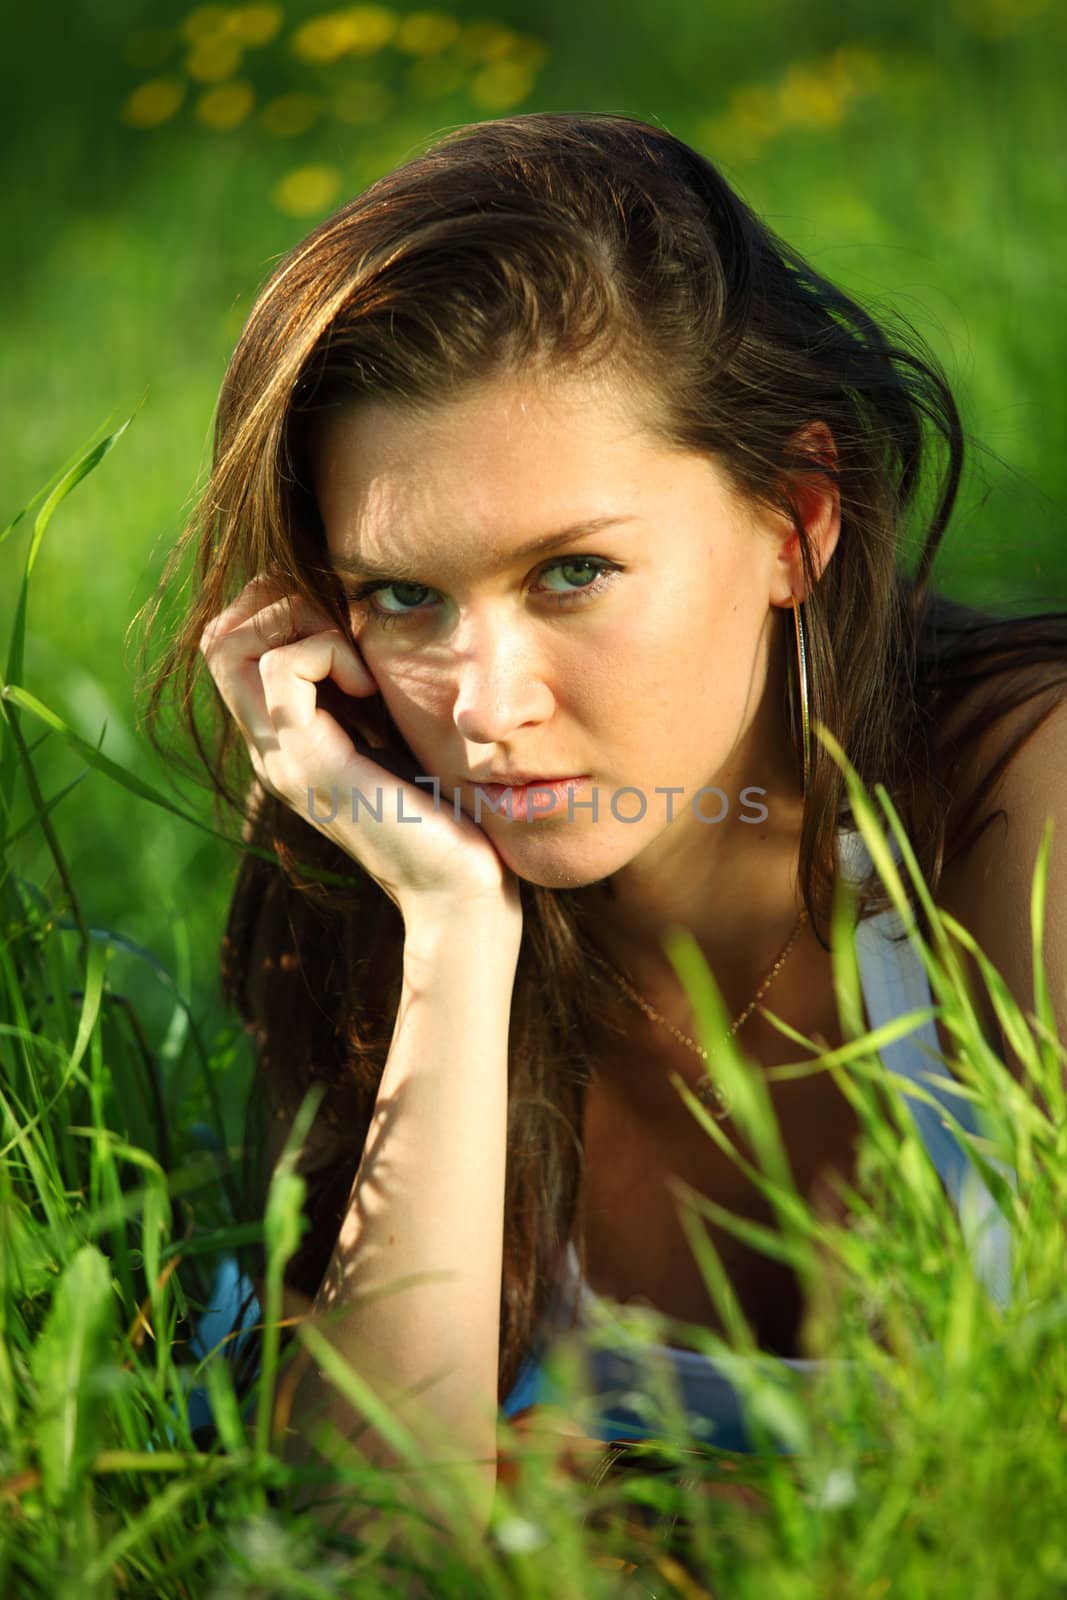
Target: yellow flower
point(225, 106)
point(423, 33)
point(808, 98)
point(255, 25)
point(213, 60)
point(358, 30)
point(372, 27)
point(153, 102)
point(500, 44)
point(810, 94)
point(323, 39)
point(501, 85)
point(306, 190)
point(206, 24)
point(290, 114)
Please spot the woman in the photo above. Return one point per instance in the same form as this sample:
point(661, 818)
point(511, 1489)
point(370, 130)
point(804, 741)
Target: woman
point(544, 458)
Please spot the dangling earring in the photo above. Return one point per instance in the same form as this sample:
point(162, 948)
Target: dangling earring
point(802, 675)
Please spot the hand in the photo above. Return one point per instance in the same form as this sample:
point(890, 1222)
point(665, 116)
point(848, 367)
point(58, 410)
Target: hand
point(270, 682)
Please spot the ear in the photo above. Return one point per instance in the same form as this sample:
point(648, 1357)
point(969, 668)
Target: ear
point(817, 502)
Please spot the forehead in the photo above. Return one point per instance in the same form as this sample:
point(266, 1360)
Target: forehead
point(481, 476)
point(502, 444)
point(513, 410)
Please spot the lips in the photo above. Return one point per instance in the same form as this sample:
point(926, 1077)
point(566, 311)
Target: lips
point(524, 802)
point(520, 780)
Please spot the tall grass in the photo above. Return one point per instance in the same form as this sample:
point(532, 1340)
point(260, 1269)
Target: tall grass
point(928, 1456)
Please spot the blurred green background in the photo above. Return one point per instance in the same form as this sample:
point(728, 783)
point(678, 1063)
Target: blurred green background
point(159, 160)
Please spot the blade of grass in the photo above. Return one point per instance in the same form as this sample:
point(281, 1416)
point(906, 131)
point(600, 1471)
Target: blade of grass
point(1053, 1080)
point(74, 1342)
point(160, 1512)
point(86, 463)
point(45, 490)
point(281, 1230)
point(95, 758)
point(47, 807)
point(72, 1059)
point(40, 811)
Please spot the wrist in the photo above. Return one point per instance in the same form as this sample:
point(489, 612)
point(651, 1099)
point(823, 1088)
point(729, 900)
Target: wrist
point(488, 930)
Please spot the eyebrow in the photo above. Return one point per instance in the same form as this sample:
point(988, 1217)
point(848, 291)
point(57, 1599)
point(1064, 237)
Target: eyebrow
point(404, 572)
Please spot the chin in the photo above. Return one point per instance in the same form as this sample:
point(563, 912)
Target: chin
point(553, 864)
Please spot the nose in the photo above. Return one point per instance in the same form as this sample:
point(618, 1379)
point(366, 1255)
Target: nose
point(499, 689)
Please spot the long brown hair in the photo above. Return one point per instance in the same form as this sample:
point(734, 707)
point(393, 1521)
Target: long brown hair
point(570, 243)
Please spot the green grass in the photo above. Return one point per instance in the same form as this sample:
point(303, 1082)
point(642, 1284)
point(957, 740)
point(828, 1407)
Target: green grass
point(932, 1461)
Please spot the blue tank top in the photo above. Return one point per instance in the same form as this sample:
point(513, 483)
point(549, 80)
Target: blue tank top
point(894, 983)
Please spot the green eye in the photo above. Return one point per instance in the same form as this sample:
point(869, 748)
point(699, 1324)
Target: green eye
point(568, 568)
point(584, 578)
point(414, 591)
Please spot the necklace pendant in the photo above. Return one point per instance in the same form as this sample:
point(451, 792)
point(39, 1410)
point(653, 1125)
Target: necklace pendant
point(712, 1096)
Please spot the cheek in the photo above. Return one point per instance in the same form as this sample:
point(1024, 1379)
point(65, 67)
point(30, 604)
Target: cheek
point(416, 696)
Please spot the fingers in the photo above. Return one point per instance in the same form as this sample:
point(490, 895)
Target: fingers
point(254, 624)
point(290, 674)
point(269, 655)
point(307, 746)
point(261, 591)
point(251, 643)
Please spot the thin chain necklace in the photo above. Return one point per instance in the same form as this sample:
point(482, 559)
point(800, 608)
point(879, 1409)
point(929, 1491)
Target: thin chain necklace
point(706, 1090)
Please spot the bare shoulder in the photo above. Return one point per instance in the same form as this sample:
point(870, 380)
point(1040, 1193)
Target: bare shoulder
point(987, 886)
point(1021, 754)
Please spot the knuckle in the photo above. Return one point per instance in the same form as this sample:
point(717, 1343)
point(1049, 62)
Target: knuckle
point(271, 658)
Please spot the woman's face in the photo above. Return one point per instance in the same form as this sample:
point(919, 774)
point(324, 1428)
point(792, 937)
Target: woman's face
point(632, 655)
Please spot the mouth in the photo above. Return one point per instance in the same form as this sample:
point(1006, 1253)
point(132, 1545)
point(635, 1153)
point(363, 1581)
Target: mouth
point(531, 800)
point(523, 780)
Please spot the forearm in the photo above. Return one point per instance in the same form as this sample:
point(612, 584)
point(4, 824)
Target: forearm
point(428, 1198)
